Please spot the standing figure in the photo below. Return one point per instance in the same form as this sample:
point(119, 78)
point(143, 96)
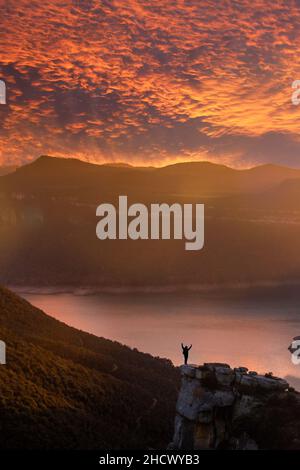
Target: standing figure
point(185, 352)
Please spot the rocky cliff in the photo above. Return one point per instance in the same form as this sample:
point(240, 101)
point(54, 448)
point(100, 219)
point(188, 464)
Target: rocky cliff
point(219, 407)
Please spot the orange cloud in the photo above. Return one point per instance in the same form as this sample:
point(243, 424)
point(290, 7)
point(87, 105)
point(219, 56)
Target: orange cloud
point(150, 82)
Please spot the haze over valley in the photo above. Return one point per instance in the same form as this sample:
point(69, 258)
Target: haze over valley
point(48, 222)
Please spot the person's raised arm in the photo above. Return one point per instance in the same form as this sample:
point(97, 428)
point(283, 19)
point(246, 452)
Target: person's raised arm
point(190, 346)
point(182, 345)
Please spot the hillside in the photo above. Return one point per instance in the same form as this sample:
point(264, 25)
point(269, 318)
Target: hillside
point(48, 222)
point(63, 388)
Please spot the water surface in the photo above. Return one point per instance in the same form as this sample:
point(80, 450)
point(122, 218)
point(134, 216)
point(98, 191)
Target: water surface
point(252, 331)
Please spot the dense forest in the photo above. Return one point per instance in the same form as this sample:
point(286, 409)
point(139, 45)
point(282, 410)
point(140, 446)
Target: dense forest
point(63, 388)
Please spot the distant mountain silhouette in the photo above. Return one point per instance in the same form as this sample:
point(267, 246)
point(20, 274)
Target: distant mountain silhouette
point(118, 164)
point(63, 388)
point(183, 179)
point(48, 221)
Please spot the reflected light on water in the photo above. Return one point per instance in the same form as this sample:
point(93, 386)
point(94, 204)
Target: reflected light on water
point(246, 333)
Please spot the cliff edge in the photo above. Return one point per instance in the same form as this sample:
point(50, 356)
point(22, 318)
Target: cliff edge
point(223, 408)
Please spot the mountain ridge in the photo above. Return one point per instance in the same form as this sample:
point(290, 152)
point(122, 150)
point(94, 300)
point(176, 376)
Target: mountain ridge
point(194, 179)
point(47, 158)
point(48, 220)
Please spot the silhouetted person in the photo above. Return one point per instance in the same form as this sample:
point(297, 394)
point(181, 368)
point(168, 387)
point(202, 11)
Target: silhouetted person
point(185, 352)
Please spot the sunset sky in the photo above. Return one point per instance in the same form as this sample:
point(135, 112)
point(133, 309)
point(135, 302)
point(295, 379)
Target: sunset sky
point(150, 81)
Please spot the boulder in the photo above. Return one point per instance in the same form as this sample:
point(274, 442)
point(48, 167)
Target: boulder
point(214, 401)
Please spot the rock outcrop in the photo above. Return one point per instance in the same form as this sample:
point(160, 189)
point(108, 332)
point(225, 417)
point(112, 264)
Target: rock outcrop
point(219, 407)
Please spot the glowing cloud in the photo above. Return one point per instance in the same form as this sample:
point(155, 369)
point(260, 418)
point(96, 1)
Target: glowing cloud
point(150, 82)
